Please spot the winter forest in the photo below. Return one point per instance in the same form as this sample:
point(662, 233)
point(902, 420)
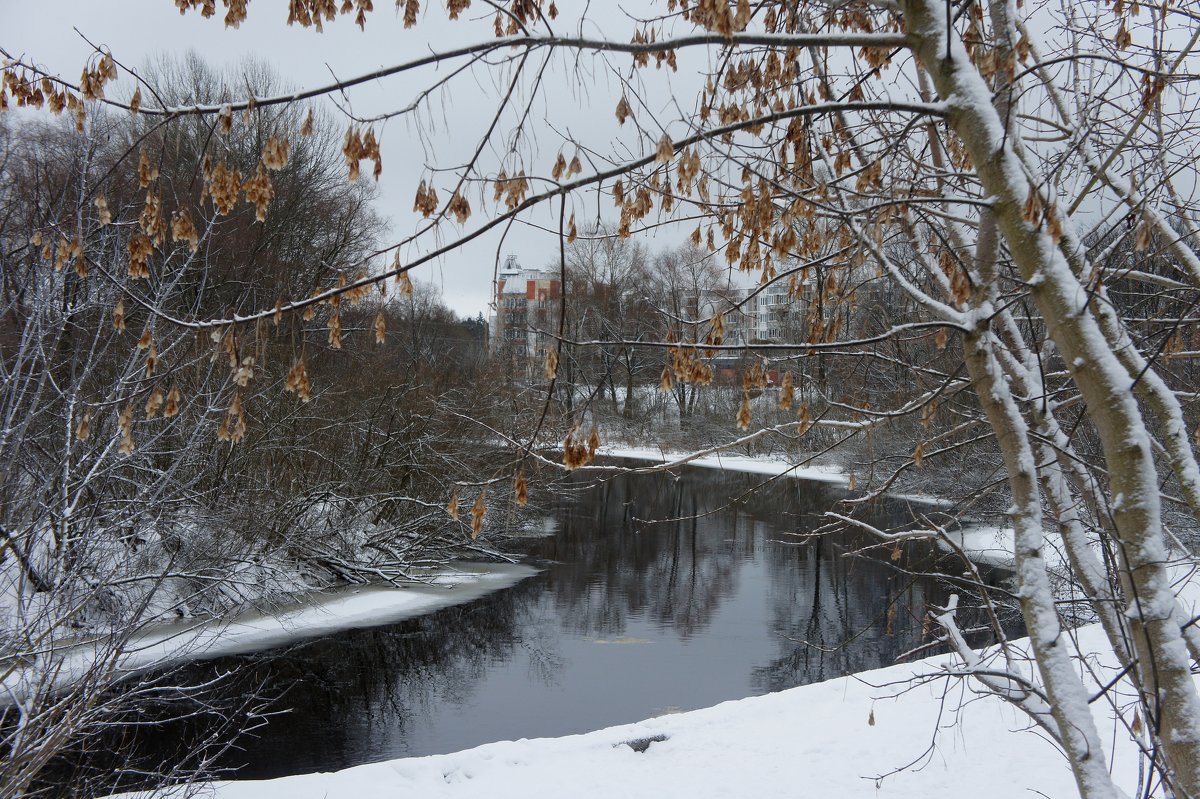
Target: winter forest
point(269, 335)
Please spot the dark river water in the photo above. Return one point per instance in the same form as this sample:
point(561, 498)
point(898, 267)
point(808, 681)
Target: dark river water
point(657, 594)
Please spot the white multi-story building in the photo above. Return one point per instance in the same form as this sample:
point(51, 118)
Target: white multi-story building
point(760, 314)
point(527, 308)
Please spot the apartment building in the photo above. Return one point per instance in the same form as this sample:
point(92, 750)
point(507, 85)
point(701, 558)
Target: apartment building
point(526, 314)
point(754, 315)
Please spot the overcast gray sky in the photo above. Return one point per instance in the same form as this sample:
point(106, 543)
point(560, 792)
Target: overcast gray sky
point(579, 100)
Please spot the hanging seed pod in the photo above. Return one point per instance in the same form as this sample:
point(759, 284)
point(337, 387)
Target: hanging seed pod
point(125, 425)
point(380, 328)
point(743, 415)
point(151, 360)
point(521, 490)
point(245, 371)
point(335, 331)
point(103, 215)
point(84, 429)
point(477, 512)
point(172, 406)
point(805, 418)
point(154, 402)
point(297, 381)
point(788, 395)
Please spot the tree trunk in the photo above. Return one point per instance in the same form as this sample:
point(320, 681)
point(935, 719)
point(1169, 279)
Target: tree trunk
point(1105, 386)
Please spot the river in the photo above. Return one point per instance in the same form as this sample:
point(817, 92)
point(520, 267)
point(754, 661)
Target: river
point(657, 593)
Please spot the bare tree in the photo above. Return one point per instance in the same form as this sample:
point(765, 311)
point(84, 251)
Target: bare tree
point(607, 281)
point(134, 487)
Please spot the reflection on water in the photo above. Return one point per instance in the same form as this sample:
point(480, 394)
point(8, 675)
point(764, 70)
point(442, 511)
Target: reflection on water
point(630, 617)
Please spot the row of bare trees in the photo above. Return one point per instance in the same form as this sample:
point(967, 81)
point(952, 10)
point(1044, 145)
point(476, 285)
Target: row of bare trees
point(151, 470)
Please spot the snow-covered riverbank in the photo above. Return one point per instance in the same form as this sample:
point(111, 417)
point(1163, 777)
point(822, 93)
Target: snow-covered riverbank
point(735, 463)
point(986, 544)
point(165, 645)
point(843, 738)
point(907, 731)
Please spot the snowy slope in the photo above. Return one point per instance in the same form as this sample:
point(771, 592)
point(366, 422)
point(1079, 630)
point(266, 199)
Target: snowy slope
point(815, 740)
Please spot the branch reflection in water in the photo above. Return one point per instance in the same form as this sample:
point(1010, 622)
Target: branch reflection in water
point(657, 593)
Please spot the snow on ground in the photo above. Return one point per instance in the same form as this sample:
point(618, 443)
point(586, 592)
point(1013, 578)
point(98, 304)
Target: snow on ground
point(734, 463)
point(165, 645)
point(986, 544)
point(909, 731)
point(835, 739)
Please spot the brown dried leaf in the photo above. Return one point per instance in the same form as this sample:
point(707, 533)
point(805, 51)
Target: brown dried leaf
point(805, 418)
point(224, 184)
point(182, 229)
point(1141, 240)
point(460, 208)
point(125, 425)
